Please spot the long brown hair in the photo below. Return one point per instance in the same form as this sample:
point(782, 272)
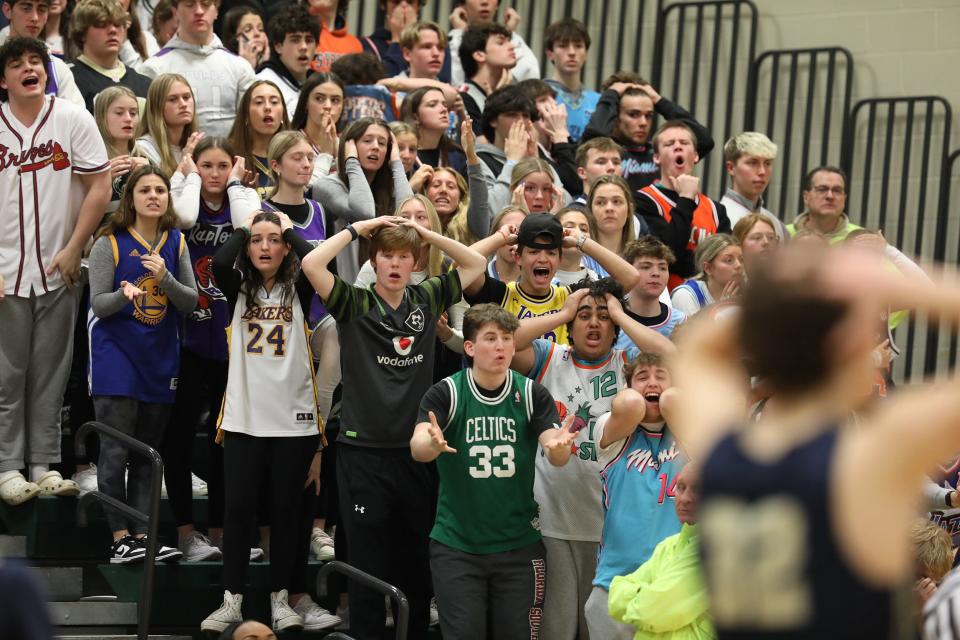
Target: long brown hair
point(125, 216)
point(382, 183)
point(241, 133)
point(627, 235)
point(153, 124)
point(253, 279)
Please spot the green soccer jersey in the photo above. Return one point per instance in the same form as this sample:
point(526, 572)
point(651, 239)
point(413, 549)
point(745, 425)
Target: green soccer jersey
point(486, 500)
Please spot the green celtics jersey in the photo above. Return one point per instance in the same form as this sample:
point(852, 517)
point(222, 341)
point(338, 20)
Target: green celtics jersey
point(486, 500)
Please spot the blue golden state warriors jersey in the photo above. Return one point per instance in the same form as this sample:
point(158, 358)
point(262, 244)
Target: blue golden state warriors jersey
point(135, 353)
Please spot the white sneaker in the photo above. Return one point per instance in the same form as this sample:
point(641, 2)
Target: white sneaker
point(196, 547)
point(314, 616)
point(199, 486)
point(434, 613)
point(228, 613)
point(86, 479)
point(256, 554)
point(321, 545)
point(389, 624)
point(283, 617)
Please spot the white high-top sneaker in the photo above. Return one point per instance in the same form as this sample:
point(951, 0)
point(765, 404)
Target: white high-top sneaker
point(227, 614)
point(283, 615)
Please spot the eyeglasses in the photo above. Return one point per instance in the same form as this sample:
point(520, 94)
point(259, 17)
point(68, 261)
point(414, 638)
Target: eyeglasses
point(822, 191)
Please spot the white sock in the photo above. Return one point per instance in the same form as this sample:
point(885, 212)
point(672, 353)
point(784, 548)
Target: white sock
point(4, 475)
point(37, 471)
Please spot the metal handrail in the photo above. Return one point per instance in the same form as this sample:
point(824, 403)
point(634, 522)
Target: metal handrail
point(152, 520)
point(403, 606)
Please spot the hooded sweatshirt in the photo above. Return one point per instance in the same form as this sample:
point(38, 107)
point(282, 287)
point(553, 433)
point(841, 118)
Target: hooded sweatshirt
point(217, 76)
point(334, 43)
point(276, 72)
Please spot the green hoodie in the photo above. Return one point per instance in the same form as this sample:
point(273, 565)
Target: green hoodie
point(665, 598)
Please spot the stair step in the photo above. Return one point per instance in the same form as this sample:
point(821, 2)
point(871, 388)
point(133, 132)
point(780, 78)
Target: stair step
point(50, 528)
point(93, 614)
point(63, 584)
point(185, 593)
point(13, 546)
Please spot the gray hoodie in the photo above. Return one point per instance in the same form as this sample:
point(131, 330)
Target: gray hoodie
point(217, 76)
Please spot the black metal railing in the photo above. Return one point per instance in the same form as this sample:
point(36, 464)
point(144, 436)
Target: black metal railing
point(632, 48)
point(819, 89)
point(152, 520)
point(950, 248)
point(402, 620)
point(895, 152)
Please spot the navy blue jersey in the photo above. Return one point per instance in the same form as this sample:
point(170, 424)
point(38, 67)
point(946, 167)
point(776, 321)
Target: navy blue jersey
point(770, 555)
point(205, 329)
point(135, 353)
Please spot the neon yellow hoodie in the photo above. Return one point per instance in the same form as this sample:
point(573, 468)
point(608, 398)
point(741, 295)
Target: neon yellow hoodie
point(665, 598)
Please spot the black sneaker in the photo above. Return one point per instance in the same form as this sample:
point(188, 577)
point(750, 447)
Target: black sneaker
point(164, 554)
point(126, 550)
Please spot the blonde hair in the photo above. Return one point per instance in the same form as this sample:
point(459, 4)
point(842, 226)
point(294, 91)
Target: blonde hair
point(507, 210)
point(410, 35)
point(749, 143)
point(101, 106)
point(746, 224)
point(933, 549)
point(709, 249)
point(456, 225)
point(153, 124)
point(627, 234)
point(529, 166)
point(435, 260)
point(399, 128)
point(280, 143)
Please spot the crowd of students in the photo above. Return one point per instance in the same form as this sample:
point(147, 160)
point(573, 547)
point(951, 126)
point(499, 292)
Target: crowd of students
point(476, 332)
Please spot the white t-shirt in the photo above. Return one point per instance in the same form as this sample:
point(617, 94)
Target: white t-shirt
point(41, 191)
point(686, 300)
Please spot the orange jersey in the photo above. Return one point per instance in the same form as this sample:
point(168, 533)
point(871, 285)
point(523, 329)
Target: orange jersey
point(334, 44)
point(705, 222)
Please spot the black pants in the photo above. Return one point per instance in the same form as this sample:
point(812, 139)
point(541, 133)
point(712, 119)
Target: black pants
point(495, 595)
point(201, 386)
point(387, 507)
point(247, 460)
point(144, 421)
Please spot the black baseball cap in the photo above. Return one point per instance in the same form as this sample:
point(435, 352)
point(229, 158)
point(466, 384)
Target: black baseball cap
point(540, 224)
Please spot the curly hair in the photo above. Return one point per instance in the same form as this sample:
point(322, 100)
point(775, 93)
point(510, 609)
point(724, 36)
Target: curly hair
point(598, 289)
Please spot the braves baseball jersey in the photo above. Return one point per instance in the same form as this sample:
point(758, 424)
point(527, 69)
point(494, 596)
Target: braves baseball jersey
point(569, 496)
point(271, 390)
point(40, 189)
point(134, 353)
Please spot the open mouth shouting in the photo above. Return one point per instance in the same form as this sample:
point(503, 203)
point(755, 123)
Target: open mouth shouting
point(31, 80)
point(653, 397)
point(541, 276)
point(594, 337)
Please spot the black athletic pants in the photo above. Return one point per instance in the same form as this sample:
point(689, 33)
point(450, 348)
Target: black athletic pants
point(200, 387)
point(491, 595)
point(247, 460)
point(387, 508)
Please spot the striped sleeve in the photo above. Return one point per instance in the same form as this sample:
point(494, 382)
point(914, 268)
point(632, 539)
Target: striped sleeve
point(347, 302)
point(442, 291)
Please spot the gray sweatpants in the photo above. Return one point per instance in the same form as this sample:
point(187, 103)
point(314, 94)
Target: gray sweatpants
point(599, 621)
point(36, 346)
point(497, 595)
point(144, 421)
point(572, 565)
